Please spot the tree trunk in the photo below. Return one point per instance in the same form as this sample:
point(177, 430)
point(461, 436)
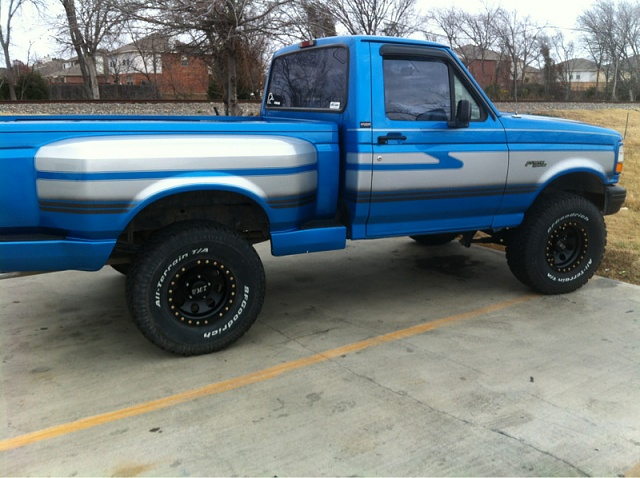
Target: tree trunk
point(614, 87)
point(93, 77)
point(232, 83)
point(85, 60)
point(11, 77)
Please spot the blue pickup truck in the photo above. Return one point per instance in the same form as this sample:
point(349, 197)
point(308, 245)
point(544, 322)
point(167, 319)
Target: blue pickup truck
point(358, 138)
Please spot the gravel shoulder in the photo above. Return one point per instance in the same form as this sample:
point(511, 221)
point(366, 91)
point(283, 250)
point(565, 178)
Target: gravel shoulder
point(204, 108)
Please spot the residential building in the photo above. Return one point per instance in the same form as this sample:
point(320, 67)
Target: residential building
point(169, 69)
point(170, 66)
point(488, 67)
point(581, 74)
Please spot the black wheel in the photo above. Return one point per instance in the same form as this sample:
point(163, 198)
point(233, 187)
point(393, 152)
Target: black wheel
point(559, 245)
point(121, 268)
point(434, 239)
point(195, 288)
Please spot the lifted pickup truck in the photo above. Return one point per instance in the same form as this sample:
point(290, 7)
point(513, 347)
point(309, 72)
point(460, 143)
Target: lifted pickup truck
point(358, 138)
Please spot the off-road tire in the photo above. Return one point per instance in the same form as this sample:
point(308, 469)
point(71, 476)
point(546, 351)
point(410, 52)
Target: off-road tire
point(195, 288)
point(559, 245)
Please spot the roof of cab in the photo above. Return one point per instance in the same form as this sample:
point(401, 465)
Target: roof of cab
point(352, 39)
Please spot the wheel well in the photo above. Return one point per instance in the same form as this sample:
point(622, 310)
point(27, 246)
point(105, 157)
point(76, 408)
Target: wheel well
point(586, 185)
point(232, 210)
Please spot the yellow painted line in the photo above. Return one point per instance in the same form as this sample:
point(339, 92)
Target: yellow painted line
point(248, 379)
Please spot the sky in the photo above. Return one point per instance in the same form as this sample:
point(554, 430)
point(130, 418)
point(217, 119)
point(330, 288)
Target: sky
point(555, 13)
point(31, 39)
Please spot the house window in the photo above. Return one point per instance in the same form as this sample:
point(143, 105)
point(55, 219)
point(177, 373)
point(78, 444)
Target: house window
point(184, 60)
point(129, 80)
point(577, 77)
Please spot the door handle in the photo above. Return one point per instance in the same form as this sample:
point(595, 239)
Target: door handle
point(391, 136)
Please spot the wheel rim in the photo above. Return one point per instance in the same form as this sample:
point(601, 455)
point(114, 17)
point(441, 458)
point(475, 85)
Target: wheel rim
point(567, 246)
point(201, 292)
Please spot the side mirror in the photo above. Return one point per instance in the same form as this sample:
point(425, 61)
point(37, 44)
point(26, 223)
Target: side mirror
point(463, 115)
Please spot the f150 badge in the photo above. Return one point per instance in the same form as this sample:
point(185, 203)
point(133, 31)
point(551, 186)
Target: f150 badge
point(536, 164)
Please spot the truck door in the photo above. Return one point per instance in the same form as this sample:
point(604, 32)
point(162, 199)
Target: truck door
point(428, 174)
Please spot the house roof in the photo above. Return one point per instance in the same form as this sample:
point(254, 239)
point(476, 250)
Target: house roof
point(579, 64)
point(48, 68)
point(473, 52)
point(156, 43)
point(56, 68)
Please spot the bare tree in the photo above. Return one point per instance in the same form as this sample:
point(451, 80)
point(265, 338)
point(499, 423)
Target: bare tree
point(629, 30)
point(566, 52)
point(480, 30)
point(518, 39)
point(597, 53)
point(447, 21)
point(8, 10)
point(547, 65)
point(89, 24)
point(220, 29)
point(603, 38)
point(142, 56)
point(307, 20)
point(376, 17)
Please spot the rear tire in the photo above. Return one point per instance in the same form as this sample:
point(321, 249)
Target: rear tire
point(195, 288)
point(559, 245)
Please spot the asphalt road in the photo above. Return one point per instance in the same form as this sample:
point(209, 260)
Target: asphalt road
point(387, 358)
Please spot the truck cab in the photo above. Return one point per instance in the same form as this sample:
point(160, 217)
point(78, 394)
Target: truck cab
point(410, 164)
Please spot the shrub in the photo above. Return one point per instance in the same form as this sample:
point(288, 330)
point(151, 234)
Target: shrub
point(29, 86)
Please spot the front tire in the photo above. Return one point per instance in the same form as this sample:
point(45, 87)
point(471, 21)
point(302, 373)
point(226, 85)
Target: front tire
point(195, 288)
point(559, 245)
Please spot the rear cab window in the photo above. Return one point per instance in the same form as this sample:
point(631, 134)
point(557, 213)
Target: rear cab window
point(314, 79)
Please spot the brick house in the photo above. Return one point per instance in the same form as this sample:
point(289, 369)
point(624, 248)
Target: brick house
point(58, 71)
point(487, 67)
point(169, 68)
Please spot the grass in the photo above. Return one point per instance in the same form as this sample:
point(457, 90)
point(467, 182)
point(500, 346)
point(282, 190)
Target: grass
point(622, 258)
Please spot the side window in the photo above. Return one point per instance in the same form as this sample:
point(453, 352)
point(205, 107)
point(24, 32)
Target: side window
point(419, 89)
point(416, 89)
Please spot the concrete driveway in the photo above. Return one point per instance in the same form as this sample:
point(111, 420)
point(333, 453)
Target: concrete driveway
point(388, 358)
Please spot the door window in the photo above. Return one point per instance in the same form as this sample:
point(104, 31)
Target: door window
point(419, 89)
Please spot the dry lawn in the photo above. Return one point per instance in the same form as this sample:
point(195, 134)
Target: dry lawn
point(622, 258)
